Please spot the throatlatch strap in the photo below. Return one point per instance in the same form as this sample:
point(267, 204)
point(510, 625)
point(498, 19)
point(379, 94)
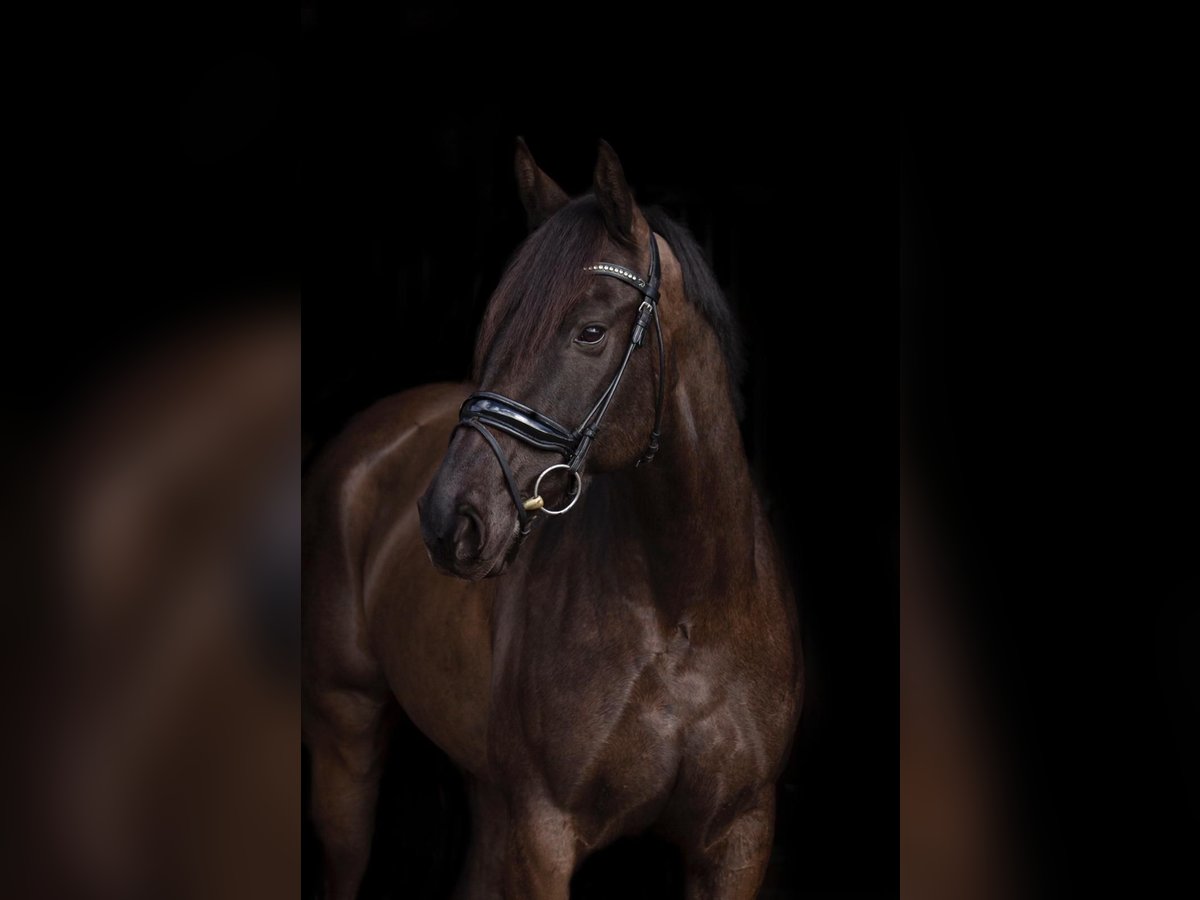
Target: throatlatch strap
point(652, 447)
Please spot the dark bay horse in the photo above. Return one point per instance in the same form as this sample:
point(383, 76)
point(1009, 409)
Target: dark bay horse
point(637, 666)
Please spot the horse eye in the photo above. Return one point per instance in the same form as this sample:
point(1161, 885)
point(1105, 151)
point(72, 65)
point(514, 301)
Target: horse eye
point(590, 335)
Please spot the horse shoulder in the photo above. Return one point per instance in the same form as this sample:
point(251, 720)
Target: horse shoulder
point(360, 481)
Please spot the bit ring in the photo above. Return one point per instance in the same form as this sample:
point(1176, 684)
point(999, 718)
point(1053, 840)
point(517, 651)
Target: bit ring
point(537, 490)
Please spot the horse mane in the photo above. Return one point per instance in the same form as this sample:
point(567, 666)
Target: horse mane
point(702, 290)
point(545, 278)
point(542, 281)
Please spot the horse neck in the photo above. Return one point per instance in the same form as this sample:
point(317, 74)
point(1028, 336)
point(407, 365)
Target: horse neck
point(695, 503)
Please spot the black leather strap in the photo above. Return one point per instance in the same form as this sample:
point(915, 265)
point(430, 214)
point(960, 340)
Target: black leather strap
point(647, 312)
point(648, 287)
point(520, 421)
point(656, 433)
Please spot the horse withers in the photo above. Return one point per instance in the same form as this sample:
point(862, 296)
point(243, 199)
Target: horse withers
point(633, 664)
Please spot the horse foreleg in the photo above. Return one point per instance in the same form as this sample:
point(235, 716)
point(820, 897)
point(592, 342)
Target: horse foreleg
point(733, 867)
point(540, 854)
point(482, 874)
point(348, 746)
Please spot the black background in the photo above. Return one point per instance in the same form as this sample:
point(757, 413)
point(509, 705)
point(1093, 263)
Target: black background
point(410, 214)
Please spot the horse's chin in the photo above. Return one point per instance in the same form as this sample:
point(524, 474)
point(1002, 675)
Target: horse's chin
point(499, 569)
point(479, 569)
point(485, 569)
point(506, 558)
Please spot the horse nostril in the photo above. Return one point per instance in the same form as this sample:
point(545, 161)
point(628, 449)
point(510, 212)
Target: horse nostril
point(468, 534)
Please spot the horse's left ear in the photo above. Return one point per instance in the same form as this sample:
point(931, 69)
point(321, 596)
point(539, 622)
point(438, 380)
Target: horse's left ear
point(621, 214)
point(540, 195)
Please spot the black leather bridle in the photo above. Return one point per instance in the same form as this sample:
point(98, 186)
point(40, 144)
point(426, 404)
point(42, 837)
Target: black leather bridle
point(485, 410)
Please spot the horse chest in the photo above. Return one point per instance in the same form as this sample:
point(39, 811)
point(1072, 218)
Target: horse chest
point(605, 720)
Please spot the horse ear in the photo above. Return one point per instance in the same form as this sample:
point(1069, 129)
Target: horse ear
point(621, 214)
point(540, 196)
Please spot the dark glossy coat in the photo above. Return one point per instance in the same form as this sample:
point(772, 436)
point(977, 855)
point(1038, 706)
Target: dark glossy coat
point(635, 666)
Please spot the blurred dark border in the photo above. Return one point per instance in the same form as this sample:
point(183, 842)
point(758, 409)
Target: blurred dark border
point(166, 165)
point(1049, 369)
point(155, 184)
